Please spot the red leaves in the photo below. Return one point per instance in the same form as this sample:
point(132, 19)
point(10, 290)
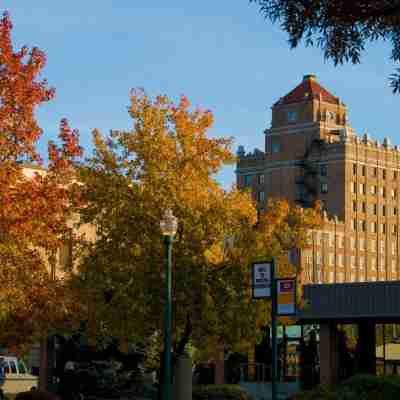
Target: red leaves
point(36, 205)
point(63, 157)
point(20, 93)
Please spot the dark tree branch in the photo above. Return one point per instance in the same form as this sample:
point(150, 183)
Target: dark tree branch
point(341, 28)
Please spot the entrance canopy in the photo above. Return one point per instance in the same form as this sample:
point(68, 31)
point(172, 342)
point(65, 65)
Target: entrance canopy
point(347, 302)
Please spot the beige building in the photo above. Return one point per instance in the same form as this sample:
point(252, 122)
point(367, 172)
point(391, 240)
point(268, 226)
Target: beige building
point(312, 153)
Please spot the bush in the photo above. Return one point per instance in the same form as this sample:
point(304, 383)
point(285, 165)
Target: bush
point(220, 392)
point(319, 393)
point(359, 387)
point(370, 387)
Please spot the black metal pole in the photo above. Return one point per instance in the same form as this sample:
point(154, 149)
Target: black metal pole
point(274, 306)
point(168, 319)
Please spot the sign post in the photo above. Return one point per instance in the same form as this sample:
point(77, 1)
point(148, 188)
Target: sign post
point(261, 275)
point(282, 292)
point(286, 289)
point(274, 342)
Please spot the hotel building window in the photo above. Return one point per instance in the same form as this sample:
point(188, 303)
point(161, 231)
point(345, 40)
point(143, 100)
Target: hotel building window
point(354, 169)
point(275, 146)
point(374, 209)
point(373, 227)
point(382, 264)
point(354, 224)
point(354, 205)
point(374, 189)
point(352, 244)
point(292, 116)
point(248, 179)
point(331, 239)
point(384, 211)
point(393, 249)
point(394, 265)
point(362, 244)
point(354, 187)
point(375, 171)
point(383, 174)
point(364, 207)
point(373, 263)
point(373, 246)
point(261, 179)
point(363, 170)
point(361, 262)
point(382, 247)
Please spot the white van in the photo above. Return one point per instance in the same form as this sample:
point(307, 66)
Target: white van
point(15, 377)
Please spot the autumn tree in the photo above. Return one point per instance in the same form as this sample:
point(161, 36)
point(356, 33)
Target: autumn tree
point(36, 203)
point(166, 161)
point(341, 28)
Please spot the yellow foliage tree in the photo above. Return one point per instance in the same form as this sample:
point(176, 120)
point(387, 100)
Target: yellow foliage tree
point(168, 161)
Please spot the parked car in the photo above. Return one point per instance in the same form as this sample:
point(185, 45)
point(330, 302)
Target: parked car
point(15, 377)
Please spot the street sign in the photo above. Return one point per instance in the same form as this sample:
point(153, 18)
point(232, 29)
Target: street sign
point(261, 280)
point(286, 296)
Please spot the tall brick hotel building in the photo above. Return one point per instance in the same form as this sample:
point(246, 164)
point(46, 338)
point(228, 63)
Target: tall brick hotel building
point(312, 153)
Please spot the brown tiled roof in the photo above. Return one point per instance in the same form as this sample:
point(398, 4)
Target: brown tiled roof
point(308, 89)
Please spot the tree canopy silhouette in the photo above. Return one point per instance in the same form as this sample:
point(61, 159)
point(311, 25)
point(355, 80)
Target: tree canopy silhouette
point(341, 28)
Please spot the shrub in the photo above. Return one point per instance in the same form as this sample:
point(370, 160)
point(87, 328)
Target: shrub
point(370, 387)
point(220, 392)
point(319, 393)
point(359, 387)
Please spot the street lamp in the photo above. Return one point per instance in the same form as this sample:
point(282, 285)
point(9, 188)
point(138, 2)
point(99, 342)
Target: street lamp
point(168, 226)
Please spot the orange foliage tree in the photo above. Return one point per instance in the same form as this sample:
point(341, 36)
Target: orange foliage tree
point(35, 207)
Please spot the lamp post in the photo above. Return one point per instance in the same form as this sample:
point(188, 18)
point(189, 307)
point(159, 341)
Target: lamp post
point(168, 225)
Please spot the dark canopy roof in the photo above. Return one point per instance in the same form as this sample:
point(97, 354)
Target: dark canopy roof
point(350, 301)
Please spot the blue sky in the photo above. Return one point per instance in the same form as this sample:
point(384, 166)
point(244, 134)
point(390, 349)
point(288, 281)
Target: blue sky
point(221, 54)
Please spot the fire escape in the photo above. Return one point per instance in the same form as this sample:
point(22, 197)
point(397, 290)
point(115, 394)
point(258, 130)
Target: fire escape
point(308, 181)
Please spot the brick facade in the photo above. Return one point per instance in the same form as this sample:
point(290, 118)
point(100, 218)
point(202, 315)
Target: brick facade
point(312, 153)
